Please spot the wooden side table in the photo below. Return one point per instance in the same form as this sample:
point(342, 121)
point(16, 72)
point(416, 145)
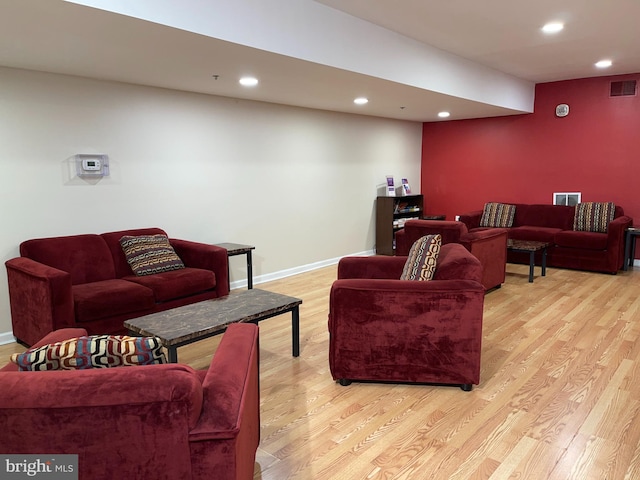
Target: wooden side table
point(630, 246)
point(240, 249)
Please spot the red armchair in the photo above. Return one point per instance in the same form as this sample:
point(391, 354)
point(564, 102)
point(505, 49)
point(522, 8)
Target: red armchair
point(385, 329)
point(157, 421)
point(488, 246)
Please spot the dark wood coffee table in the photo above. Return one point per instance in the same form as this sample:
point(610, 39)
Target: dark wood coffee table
point(531, 247)
point(183, 325)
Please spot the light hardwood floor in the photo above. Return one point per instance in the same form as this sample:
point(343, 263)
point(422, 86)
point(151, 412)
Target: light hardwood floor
point(559, 396)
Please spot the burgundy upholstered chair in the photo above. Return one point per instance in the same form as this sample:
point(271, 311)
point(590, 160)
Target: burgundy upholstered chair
point(157, 422)
point(488, 246)
point(385, 329)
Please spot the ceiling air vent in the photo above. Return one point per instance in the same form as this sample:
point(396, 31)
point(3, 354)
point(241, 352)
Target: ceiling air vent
point(623, 89)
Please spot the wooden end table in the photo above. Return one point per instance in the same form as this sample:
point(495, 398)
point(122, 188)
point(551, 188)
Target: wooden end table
point(531, 247)
point(190, 323)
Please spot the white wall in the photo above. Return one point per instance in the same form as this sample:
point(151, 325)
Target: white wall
point(298, 184)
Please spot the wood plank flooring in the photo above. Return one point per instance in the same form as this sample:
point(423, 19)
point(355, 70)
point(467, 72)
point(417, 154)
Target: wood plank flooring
point(559, 396)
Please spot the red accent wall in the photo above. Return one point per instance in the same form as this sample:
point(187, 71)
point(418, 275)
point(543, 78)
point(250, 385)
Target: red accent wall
point(525, 158)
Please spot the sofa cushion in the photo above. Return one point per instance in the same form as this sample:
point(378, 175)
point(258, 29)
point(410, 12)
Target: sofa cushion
point(422, 259)
point(583, 240)
point(97, 351)
point(497, 215)
point(544, 215)
point(537, 234)
point(150, 254)
point(177, 283)
point(108, 298)
point(593, 216)
point(85, 257)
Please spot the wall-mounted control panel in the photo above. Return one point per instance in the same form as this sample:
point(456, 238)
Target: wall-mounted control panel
point(92, 165)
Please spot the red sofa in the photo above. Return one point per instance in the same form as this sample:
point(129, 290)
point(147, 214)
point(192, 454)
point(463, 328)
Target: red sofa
point(85, 281)
point(488, 246)
point(158, 421)
point(385, 329)
point(591, 251)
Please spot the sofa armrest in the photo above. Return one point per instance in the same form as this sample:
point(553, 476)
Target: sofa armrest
point(206, 256)
point(41, 299)
point(616, 237)
point(377, 266)
point(471, 219)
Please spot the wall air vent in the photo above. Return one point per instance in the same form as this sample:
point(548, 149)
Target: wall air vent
point(623, 89)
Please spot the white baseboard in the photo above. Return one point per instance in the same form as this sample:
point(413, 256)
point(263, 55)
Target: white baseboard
point(8, 337)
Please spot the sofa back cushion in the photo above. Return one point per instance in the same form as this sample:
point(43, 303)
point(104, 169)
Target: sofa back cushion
point(86, 257)
point(456, 263)
point(552, 216)
point(112, 240)
point(449, 231)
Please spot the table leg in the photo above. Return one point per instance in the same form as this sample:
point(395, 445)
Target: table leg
point(295, 331)
point(532, 263)
point(249, 271)
point(627, 251)
point(544, 261)
point(172, 354)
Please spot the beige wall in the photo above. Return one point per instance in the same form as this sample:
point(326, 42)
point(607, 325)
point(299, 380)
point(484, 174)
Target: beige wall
point(298, 184)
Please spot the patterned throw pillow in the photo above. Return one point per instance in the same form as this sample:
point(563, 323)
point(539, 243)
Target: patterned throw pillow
point(497, 215)
point(96, 351)
point(149, 254)
point(593, 216)
point(423, 255)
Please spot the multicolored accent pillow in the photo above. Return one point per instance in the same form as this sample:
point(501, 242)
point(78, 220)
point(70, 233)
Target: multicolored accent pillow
point(497, 215)
point(149, 254)
point(593, 216)
point(96, 351)
point(422, 259)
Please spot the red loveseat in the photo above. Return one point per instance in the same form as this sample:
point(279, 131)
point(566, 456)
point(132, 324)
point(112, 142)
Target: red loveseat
point(157, 421)
point(85, 281)
point(488, 246)
point(385, 329)
point(568, 248)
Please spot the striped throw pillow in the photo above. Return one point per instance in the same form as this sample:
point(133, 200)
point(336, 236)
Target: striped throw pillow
point(593, 216)
point(422, 259)
point(95, 351)
point(497, 215)
point(149, 254)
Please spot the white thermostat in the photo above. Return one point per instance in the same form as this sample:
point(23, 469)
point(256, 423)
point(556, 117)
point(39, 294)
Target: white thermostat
point(92, 165)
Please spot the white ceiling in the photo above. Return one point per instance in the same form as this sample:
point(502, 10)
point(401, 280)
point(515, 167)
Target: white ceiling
point(331, 55)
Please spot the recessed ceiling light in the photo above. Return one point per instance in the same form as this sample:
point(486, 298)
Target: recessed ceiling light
point(604, 63)
point(553, 27)
point(361, 101)
point(443, 114)
point(248, 81)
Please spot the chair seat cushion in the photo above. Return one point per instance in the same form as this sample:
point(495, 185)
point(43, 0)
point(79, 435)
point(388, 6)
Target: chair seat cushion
point(176, 283)
point(108, 298)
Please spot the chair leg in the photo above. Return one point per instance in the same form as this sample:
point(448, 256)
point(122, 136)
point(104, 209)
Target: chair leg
point(466, 387)
point(344, 382)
